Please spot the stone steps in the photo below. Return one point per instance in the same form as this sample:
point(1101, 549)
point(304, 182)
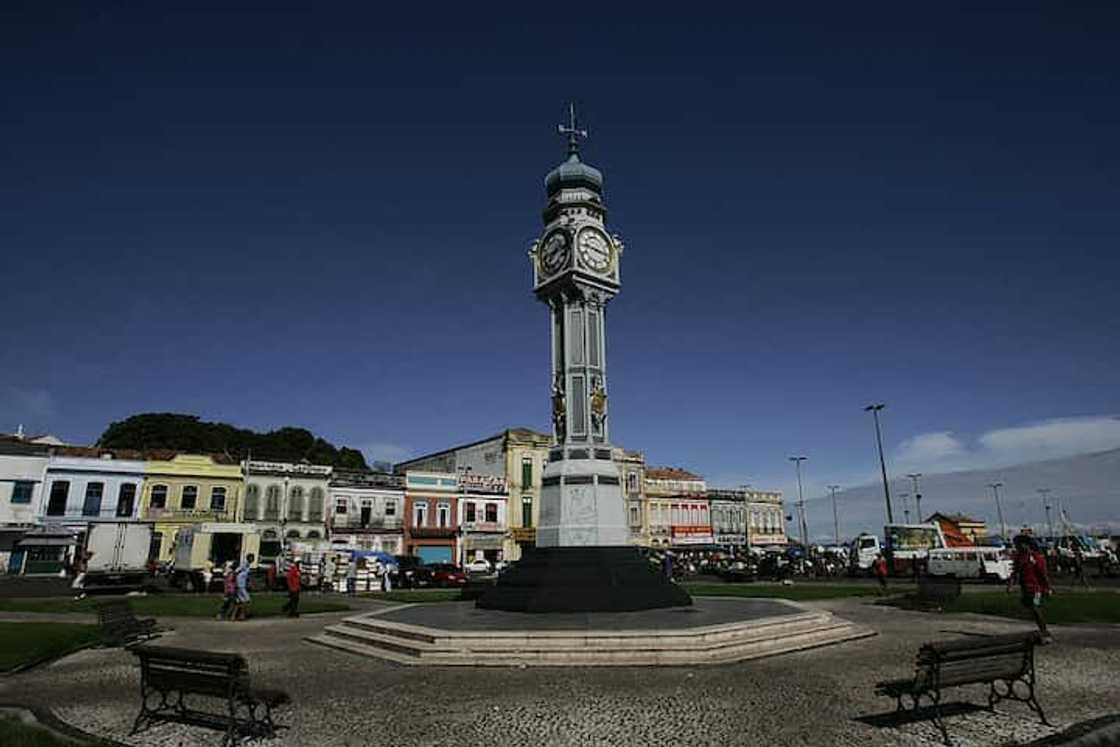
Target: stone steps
point(416, 645)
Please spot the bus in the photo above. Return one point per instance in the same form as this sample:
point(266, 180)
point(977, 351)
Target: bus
point(907, 546)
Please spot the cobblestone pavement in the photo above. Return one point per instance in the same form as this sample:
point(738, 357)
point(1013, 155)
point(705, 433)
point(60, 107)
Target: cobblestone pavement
point(807, 698)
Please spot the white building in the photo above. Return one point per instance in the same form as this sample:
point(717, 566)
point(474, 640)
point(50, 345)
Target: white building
point(288, 501)
point(86, 485)
point(483, 508)
point(367, 510)
point(23, 468)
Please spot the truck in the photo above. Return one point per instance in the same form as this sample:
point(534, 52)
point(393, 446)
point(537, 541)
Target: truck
point(907, 546)
point(202, 549)
point(117, 554)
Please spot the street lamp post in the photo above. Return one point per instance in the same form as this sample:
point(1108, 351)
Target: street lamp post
point(914, 477)
point(874, 409)
point(995, 486)
point(835, 516)
point(797, 460)
point(905, 506)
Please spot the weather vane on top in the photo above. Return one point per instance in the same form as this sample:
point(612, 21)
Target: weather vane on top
point(573, 132)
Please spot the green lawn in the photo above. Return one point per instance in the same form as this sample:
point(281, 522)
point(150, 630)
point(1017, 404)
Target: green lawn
point(23, 643)
point(174, 605)
point(1063, 607)
point(796, 592)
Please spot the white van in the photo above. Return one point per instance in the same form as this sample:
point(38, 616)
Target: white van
point(862, 553)
point(987, 563)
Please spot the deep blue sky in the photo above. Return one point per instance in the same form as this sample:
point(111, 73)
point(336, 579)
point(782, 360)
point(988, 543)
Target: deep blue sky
point(321, 218)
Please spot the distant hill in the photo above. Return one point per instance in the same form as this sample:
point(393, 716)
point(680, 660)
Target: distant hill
point(188, 433)
point(1087, 486)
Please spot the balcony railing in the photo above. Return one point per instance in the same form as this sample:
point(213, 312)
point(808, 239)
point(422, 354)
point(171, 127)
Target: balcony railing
point(355, 522)
point(433, 532)
point(483, 526)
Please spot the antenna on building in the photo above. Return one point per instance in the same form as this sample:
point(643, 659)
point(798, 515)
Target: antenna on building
point(19, 432)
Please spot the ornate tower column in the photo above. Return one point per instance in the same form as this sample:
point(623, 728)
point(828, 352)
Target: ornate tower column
point(576, 273)
point(582, 561)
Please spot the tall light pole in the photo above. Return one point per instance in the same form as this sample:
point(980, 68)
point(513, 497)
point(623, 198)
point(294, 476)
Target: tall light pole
point(914, 477)
point(1045, 493)
point(835, 516)
point(874, 409)
point(905, 506)
point(995, 486)
point(797, 460)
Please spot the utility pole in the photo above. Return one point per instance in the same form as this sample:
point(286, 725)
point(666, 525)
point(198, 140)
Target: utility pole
point(797, 460)
point(835, 516)
point(1045, 493)
point(995, 486)
point(914, 477)
point(904, 497)
point(874, 409)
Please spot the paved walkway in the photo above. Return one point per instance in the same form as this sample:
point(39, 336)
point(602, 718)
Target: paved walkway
point(812, 697)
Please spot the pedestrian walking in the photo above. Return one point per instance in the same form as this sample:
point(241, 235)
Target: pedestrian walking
point(1034, 582)
point(1079, 568)
point(667, 565)
point(229, 591)
point(352, 577)
point(328, 574)
point(241, 608)
point(879, 568)
point(294, 581)
point(387, 577)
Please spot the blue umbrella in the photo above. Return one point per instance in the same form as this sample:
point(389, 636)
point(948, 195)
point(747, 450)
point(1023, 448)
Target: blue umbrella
point(378, 555)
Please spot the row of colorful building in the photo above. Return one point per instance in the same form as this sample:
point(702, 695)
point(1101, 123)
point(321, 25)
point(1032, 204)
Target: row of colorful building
point(480, 499)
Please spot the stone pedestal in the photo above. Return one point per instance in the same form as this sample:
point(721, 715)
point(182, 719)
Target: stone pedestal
point(583, 579)
point(581, 503)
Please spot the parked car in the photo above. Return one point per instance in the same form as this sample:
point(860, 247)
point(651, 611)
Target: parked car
point(479, 565)
point(411, 573)
point(446, 575)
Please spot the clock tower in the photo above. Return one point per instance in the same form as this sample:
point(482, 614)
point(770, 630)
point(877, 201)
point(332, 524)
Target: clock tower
point(576, 273)
point(583, 561)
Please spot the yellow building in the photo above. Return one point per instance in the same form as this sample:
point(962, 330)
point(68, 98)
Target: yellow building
point(185, 489)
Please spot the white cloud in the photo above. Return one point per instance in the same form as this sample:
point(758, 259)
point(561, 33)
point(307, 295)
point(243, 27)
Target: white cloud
point(383, 451)
point(1048, 439)
point(1052, 438)
point(929, 449)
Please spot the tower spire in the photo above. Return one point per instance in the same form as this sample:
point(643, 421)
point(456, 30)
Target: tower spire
point(572, 131)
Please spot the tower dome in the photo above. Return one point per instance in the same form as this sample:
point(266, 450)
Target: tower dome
point(573, 173)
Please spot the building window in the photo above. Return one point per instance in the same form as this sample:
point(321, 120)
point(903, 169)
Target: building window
point(390, 508)
point(293, 534)
point(635, 517)
point(60, 491)
point(631, 482)
point(21, 491)
point(444, 517)
point(295, 504)
point(492, 513)
point(526, 472)
point(315, 508)
point(159, 497)
point(313, 535)
point(252, 502)
point(126, 498)
point(189, 497)
point(468, 512)
point(272, 503)
point(420, 514)
point(218, 499)
point(92, 504)
point(526, 511)
point(340, 506)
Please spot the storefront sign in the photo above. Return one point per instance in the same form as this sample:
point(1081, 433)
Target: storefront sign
point(472, 483)
point(524, 534)
point(289, 469)
point(692, 535)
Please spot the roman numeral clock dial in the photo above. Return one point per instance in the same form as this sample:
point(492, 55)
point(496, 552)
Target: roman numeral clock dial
point(595, 250)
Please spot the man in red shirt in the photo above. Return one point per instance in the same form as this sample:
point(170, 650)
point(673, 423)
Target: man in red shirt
point(294, 580)
point(879, 568)
point(1034, 581)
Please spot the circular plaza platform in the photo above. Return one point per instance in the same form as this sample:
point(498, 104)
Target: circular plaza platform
point(712, 630)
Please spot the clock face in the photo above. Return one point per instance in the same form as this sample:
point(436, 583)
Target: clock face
point(554, 252)
point(595, 250)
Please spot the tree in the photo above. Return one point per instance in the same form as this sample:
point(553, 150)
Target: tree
point(180, 432)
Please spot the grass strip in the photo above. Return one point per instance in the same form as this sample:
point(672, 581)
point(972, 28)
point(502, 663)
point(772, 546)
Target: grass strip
point(25, 643)
point(1062, 608)
point(794, 592)
point(172, 605)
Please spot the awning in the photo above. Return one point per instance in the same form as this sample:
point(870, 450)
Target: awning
point(46, 542)
point(474, 542)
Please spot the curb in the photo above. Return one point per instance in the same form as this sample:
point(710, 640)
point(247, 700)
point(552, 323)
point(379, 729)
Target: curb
point(46, 720)
point(1103, 731)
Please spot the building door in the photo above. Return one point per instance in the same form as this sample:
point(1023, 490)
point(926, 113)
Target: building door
point(60, 491)
point(367, 514)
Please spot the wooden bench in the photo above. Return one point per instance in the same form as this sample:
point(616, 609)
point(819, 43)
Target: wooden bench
point(119, 626)
point(169, 674)
point(1003, 662)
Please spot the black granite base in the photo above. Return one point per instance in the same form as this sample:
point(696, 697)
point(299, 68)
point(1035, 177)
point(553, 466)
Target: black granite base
point(583, 579)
